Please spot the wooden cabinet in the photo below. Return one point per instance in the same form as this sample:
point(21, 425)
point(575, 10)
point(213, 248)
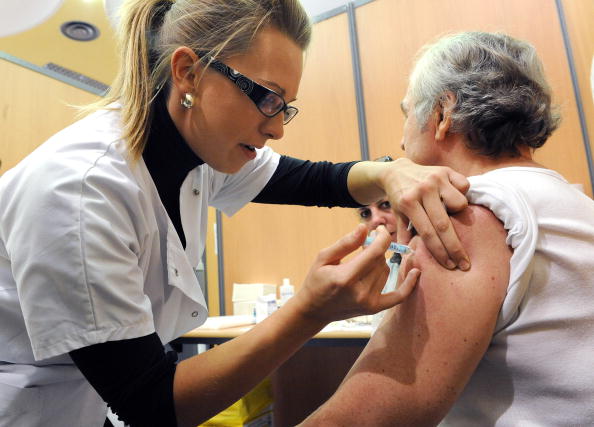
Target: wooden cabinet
point(32, 108)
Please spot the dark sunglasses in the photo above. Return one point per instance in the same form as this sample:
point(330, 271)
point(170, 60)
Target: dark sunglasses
point(267, 101)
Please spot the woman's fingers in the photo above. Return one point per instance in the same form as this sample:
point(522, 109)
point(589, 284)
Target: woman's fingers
point(367, 259)
point(450, 192)
point(448, 239)
point(401, 293)
point(403, 228)
point(414, 206)
point(333, 290)
point(458, 180)
point(344, 246)
point(426, 204)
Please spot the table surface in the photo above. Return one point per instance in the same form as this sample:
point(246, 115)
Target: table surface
point(238, 330)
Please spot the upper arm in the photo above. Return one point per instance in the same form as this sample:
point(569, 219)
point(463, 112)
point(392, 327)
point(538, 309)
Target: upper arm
point(418, 362)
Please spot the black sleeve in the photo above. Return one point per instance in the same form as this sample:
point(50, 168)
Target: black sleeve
point(301, 182)
point(134, 377)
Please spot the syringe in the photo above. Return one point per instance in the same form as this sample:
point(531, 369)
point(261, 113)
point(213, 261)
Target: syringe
point(394, 247)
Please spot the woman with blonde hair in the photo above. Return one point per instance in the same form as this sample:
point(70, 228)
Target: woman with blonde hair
point(114, 212)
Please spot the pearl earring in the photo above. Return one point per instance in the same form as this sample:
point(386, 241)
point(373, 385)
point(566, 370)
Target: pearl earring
point(187, 101)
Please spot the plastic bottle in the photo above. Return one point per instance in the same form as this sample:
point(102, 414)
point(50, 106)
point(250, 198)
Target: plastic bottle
point(286, 291)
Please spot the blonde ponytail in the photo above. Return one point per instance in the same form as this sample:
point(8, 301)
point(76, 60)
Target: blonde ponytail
point(151, 30)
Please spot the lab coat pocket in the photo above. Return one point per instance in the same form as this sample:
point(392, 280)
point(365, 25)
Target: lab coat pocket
point(179, 271)
point(20, 406)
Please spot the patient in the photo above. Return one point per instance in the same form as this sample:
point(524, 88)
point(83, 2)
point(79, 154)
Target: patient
point(511, 342)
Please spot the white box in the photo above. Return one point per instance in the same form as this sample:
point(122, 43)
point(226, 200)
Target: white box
point(251, 291)
point(244, 308)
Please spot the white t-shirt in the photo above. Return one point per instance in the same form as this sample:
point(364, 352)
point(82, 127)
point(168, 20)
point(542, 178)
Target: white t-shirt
point(539, 367)
point(89, 255)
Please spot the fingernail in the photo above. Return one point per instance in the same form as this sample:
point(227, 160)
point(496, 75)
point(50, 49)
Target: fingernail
point(450, 264)
point(464, 265)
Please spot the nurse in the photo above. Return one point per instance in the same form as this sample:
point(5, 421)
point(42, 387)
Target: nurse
point(101, 226)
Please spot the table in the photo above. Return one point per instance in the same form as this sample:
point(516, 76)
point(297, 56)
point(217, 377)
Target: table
point(334, 338)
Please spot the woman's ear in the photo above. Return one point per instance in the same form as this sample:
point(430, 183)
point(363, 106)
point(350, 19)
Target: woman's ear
point(185, 65)
point(444, 115)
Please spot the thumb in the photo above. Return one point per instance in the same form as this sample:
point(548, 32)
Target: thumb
point(401, 293)
point(347, 244)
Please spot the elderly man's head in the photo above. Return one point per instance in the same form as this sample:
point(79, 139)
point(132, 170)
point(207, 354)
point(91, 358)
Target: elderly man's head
point(487, 88)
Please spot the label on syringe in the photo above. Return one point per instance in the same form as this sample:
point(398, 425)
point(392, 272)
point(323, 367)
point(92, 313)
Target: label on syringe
point(394, 247)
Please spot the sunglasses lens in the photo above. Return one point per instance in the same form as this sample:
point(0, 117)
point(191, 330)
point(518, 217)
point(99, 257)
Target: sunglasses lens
point(271, 104)
point(290, 112)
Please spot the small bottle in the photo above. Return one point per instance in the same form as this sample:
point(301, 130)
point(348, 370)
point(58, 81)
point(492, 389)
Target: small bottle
point(286, 291)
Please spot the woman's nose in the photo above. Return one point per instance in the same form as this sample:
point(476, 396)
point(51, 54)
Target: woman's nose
point(273, 127)
point(377, 220)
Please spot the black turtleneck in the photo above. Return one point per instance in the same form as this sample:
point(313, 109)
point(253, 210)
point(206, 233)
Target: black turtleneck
point(169, 160)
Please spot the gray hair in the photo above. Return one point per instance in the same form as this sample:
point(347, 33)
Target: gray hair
point(502, 98)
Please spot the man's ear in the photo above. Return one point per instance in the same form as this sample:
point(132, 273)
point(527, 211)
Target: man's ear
point(444, 115)
point(184, 68)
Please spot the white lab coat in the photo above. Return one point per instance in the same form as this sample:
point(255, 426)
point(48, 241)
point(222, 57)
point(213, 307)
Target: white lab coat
point(88, 254)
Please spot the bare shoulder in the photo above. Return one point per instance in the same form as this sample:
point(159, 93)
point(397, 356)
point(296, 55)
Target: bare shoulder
point(484, 238)
point(478, 228)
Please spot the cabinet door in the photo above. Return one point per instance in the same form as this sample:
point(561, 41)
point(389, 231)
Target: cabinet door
point(32, 108)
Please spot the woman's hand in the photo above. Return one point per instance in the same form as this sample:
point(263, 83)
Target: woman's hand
point(333, 290)
point(420, 196)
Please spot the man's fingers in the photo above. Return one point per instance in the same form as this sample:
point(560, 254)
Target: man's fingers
point(344, 246)
point(403, 291)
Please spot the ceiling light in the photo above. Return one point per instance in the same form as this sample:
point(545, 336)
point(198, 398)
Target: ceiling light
point(80, 31)
point(19, 16)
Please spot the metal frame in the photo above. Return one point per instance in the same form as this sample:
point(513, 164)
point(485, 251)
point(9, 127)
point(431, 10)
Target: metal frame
point(47, 72)
point(337, 11)
point(361, 118)
point(220, 262)
point(576, 90)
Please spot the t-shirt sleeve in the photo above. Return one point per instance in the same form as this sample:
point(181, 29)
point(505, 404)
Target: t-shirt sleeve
point(511, 208)
point(74, 244)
